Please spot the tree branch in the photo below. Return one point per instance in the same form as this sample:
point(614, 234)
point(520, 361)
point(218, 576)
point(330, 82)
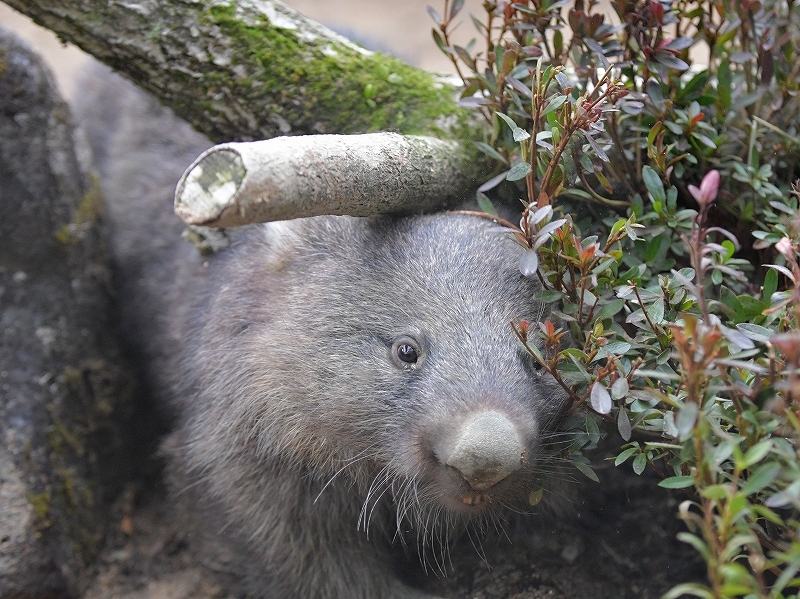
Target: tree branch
point(292, 177)
point(254, 69)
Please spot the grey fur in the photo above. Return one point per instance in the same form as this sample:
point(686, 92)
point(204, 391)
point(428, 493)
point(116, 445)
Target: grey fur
point(308, 459)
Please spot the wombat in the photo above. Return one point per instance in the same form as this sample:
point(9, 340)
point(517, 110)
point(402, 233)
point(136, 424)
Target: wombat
point(349, 392)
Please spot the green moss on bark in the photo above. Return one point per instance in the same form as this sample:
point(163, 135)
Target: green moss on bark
point(332, 87)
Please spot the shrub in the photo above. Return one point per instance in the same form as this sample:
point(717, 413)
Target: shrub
point(680, 290)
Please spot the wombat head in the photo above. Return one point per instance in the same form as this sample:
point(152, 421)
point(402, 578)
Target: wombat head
point(378, 351)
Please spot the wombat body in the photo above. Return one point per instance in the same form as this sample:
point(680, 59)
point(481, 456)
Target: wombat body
point(349, 391)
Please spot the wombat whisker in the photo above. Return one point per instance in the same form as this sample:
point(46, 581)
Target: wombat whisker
point(365, 516)
point(361, 456)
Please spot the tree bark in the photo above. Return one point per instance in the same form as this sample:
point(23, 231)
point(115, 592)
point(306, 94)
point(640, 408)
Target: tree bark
point(254, 69)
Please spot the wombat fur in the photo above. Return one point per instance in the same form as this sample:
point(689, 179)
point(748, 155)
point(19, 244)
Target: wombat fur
point(349, 391)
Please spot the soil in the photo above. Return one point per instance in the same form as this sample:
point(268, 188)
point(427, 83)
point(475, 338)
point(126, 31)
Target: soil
point(617, 540)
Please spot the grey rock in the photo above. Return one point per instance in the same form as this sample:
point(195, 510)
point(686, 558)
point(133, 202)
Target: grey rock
point(66, 401)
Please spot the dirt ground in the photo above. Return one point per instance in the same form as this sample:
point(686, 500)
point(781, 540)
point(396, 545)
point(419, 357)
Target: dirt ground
point(616, 541)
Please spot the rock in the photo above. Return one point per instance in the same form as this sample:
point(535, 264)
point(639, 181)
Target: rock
point(67, 402)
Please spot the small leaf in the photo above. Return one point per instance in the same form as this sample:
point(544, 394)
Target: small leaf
point(520, 134)
point(755, 332)
point(670, 60)
point(518, 171)
point(548, 296)
point(655, 311)
point(529, 263)
point(620, 388)
point(490, 151)
point(617, 347)
point(761, 478)
point(434, 15)
point(474, 102)
point(654, 185)
point(686, 419)
point(757, 453)
point(679, 43)
point(622, 457)
point(586, 470)
point(624, 424)
point(456, 7)
point(554, 104)
point(640, 463)
point(736, 337)
point(592, 430)
point(519, 86)
point(437, 37)
point(485, 204)
point(600, 399)
point(677, 482)
point(493, 182)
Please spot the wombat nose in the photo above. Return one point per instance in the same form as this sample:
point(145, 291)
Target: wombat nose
point(486, 450)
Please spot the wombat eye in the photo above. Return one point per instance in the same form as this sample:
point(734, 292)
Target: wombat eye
point(406, 353)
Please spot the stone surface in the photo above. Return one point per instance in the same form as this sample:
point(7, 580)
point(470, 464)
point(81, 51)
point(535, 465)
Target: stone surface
point(66, 400)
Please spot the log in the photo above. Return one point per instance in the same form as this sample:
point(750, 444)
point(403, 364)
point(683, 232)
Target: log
point(291, 177)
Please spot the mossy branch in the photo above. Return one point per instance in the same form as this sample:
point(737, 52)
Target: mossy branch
point(255, 69)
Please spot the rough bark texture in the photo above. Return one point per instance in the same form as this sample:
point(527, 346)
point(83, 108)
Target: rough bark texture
point(292, 177)
point(253, 69)
point(66, 400)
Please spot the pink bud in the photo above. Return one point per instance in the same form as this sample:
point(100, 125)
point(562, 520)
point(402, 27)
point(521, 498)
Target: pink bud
point(709, 187)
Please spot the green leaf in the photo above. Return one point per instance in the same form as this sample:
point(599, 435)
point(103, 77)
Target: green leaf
point(620, 388)
point(755, 332)
point(611, 308)
point(490, 151)
point(554, 104)
point(617, 347)
point(518, 171)
point(677, 482)
point(518, 132)
point(574, 352)
point(770, 285)
point(592, 429)
point(717, 492)
point(656, 311)
point(654, 185)
point(434, 15)
point(485, 203)
point(624, 424)
point(686, 419)
point(757, 453)
point(761, 478)
point(548, 296)
point(640, 463)
point(587, 471)
point(622, 457)
point(695, 542)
